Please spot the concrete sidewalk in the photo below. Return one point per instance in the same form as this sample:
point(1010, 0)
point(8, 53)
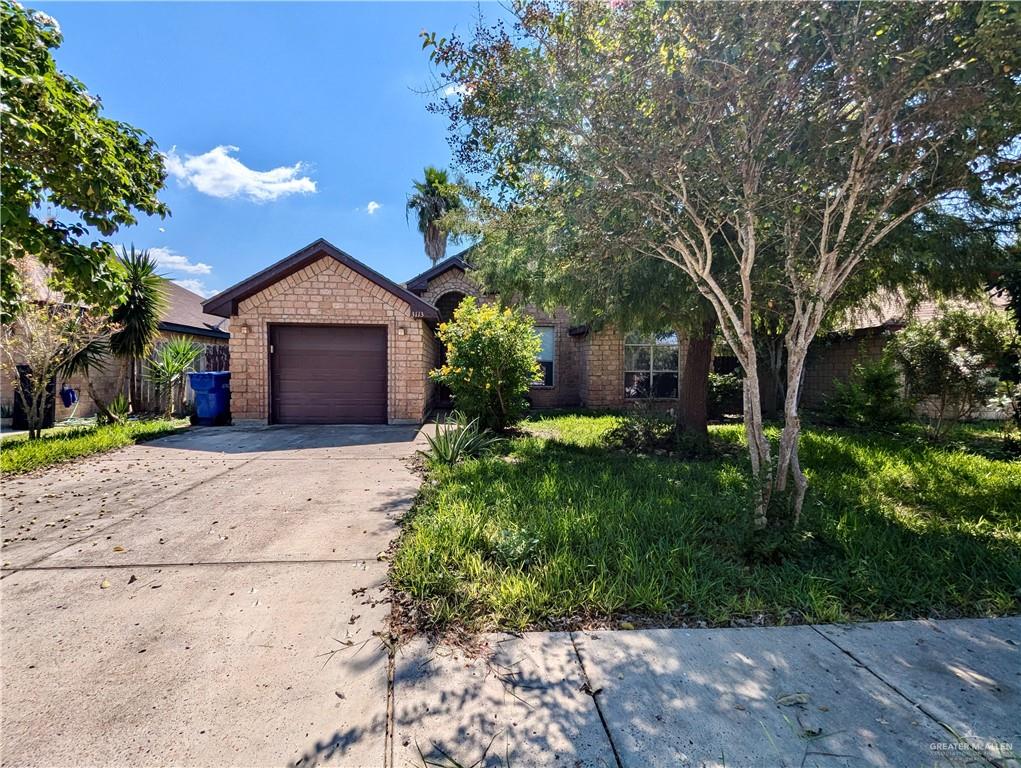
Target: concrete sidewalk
point(892, 694)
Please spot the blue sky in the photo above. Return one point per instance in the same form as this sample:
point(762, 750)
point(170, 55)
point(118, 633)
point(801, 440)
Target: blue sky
point(326, 96)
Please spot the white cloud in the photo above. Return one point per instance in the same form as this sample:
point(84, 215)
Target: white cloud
point(176, 262)
point(455, 90)
point(197, 286)
point(217, 174)
point(372, 207)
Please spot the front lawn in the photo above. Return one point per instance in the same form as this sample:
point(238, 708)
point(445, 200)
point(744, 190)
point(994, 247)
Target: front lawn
point(562, 532)
point(19, 454)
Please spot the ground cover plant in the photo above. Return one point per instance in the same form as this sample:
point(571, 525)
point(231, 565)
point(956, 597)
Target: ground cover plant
point(562, 531)
point(18, 454)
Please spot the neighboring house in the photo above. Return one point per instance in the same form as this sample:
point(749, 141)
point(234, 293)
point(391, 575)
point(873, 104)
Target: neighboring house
point(321, 338)
point(863, 334)
point(183, 317)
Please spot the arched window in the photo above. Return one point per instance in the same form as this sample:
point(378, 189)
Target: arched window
point(447, 303)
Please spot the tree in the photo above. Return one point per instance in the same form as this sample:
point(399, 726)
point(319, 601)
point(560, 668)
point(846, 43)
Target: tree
point(433, 199)
point(138, 315)
point(61, 154)
point(491, 361)
point(774, 148)
point(44, 340)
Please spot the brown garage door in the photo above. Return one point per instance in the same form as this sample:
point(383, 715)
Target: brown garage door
point(328, 374)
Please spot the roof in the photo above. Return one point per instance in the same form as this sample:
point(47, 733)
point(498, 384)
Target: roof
point(184, 315)
point(225, 304)
point(893, 310)
point(457, 261)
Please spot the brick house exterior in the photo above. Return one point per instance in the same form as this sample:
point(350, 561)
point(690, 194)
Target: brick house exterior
point(322, 286)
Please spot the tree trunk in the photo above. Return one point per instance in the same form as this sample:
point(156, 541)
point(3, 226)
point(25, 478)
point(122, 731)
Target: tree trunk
point(789, 465)
point(759, 450)
point(102, 410)
point(134, 385)
point(777, 392)
point(693, 407)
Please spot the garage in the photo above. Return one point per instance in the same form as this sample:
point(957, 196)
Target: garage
point(321, 338)
point(328, 374)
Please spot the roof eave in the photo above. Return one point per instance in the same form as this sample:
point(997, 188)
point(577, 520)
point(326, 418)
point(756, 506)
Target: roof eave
point(225, 304)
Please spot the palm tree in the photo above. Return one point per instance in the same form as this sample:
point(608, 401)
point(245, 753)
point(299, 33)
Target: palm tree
point(433, 198)
point(138, 316)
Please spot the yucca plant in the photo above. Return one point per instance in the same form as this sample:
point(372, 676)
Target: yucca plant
point(457, 439)
point(120, 407)
point(138, 316)
point(169, 364)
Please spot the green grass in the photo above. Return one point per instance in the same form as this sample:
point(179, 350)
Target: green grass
point(19, 454)
point(561, 531)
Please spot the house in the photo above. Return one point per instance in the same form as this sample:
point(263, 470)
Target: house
point(183, 317)
point(319, 337)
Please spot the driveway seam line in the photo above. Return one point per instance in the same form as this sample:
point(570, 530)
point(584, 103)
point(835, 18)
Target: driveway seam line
point(595, 700)
point(191, 487)
point(903, 695)
point(99, 566)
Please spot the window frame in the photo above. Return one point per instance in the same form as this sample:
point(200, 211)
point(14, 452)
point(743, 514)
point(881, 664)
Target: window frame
point(541, 384)
point(651, 343)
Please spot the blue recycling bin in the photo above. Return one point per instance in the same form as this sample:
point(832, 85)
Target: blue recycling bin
point(212, 397)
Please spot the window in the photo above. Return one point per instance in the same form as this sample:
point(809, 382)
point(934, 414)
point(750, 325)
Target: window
point(650, 366)
point(545, 359)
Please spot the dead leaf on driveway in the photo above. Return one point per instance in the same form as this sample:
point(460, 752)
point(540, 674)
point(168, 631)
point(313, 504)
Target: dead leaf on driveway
point(118, 548)
point(104, 584)
point(792, 699)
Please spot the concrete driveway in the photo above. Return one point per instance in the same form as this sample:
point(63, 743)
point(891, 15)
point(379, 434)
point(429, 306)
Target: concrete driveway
point(210, 598)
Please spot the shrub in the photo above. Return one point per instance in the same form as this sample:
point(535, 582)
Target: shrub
point(491, 361)
point(725, 394)
point(459, 439)
point(167, 368)
point(642, 432)
point(120, 407)
point(872, 396)
point(949, 362)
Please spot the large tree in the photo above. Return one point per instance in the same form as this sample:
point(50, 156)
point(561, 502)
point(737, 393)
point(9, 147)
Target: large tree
point(774, 147)
point(434, 198)
point(67, 170)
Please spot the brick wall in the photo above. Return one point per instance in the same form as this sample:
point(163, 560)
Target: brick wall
point(326, 292)
point(832, 360)
point(452, 280)
point(567, 349)
point(604, 366)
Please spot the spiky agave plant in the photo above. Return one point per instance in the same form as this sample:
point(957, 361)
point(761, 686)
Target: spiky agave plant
point(170, 362)
point(459, 438)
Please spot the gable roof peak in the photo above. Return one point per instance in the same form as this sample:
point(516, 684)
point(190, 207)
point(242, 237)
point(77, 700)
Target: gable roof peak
point(225, 304)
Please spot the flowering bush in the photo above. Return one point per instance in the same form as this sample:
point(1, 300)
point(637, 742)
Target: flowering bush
point(491, 361)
